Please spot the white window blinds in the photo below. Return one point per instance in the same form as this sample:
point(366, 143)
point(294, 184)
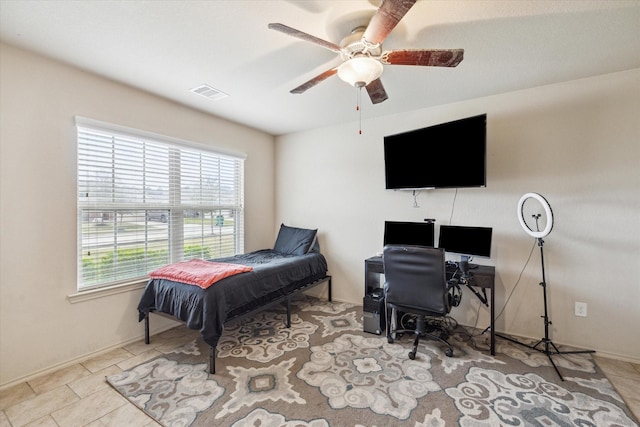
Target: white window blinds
point(145, 201)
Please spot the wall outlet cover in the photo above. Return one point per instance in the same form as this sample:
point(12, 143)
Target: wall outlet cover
point(581, 309)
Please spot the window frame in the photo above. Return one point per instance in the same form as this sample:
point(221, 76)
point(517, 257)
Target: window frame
point(176, 235)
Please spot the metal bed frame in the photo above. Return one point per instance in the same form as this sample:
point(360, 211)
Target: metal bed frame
point(243, 314)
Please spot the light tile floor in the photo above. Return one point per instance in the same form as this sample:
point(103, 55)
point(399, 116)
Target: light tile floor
point(79, 396)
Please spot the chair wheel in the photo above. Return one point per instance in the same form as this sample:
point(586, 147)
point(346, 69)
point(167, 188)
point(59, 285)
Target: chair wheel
point(412, 355)
point(390, 340)
point(448, 352)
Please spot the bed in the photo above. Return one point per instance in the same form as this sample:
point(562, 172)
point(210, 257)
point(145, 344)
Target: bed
point(295, 264)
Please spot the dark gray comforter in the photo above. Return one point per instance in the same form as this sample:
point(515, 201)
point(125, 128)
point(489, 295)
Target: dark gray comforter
point(274, 275)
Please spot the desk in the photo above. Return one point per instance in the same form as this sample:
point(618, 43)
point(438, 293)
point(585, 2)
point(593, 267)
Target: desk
point(482, 277)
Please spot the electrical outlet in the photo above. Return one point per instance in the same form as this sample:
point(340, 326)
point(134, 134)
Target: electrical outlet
point(581, 309)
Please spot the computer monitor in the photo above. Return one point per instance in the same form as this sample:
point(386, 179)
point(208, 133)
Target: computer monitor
point(466, 241)
point(409, 233)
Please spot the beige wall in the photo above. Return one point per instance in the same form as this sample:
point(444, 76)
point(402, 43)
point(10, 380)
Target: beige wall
point(39, 327)
point(576, 143)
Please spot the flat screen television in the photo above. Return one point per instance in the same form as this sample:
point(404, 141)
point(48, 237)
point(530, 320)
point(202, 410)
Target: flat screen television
point(409, 233)
point(447, 155)
point(466, 241)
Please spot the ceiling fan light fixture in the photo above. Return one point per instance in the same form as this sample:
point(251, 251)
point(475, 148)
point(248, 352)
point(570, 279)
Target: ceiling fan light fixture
point(360, 70)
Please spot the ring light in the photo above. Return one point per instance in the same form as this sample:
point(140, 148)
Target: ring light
point(545, 345)
point(547, 210)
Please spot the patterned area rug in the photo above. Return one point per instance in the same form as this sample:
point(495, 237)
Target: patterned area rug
point(325, 371)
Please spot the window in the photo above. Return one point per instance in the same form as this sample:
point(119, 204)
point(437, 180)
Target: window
point(145, 201)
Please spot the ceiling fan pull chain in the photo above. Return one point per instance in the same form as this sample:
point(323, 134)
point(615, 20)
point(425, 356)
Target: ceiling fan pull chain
point(358, 101)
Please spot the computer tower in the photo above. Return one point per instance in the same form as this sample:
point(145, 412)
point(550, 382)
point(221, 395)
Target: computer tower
point(373, 312)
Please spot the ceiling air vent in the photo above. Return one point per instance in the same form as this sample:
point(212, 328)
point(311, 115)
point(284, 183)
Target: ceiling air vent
point(209, 92)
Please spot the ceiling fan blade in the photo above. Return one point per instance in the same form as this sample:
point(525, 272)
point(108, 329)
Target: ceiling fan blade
point(425, 57)
point(386, 19)
point(376, 91)
point(304, 36)
point(314, 81)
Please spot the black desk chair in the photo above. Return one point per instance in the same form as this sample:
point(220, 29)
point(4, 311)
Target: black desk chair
point(416, 282)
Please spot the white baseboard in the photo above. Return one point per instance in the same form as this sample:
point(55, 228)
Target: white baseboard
point(76, 360)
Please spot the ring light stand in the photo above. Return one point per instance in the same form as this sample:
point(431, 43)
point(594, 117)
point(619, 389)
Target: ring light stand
point(545, 345)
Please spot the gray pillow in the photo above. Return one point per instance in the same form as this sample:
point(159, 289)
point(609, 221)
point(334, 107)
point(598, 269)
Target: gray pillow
point(295, 241)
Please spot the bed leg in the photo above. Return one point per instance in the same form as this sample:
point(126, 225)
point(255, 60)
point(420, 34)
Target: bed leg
point(288, 312)
point(329, 289)
point(212, 360)
point(146, 329)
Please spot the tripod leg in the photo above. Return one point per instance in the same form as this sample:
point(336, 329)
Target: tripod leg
point(554, 347)
point(556, 351)
point(554, 366)
point(575, 352)
point(535, 346)
point(515, 341)
point(570, 351)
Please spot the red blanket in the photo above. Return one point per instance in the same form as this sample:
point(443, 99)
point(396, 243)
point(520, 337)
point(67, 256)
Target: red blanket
point(198, 272)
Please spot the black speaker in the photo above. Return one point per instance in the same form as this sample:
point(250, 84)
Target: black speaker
point(373, 313)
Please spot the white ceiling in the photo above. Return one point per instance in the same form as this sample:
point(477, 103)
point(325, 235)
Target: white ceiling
point(168, 47)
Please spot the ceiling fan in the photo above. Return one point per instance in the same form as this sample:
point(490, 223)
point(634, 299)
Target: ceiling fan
point(362, 55)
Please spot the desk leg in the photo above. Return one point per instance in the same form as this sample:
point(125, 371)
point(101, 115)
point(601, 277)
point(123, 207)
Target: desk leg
point(493, 321)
